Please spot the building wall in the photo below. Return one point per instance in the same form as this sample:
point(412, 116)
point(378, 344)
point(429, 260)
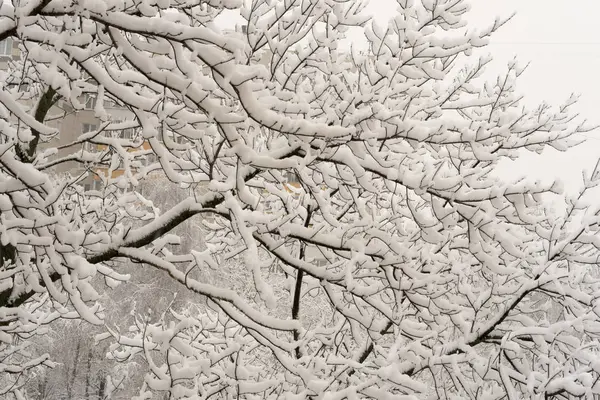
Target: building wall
point(71, 126)
point(9, 50)
point(69, 122)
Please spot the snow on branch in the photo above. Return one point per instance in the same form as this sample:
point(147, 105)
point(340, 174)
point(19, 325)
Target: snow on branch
point(331, 215)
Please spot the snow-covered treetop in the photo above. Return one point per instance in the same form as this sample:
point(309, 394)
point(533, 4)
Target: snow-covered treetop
point(431, 277)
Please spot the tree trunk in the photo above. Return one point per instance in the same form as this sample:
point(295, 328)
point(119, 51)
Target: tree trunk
point(102, 388)
point(298, 286)
point(88, 375)
point(42, 387)
point(71, 379)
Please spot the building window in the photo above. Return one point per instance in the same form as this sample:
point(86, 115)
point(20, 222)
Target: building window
point(6, 47)
point(96, 184)
point(87, 128)
point(90, 102)
point(151, 159)
point(90, 147)
point(290, 177)
point(179, 139)
point(128, 133)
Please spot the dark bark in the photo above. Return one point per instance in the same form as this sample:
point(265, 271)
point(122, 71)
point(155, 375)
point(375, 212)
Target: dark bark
point(73, 373)
point(8, 253)
point(370, 348)
point(45, 103)
point(102, 388)
point(112, 253)
point(88, 375)
point(298, 287)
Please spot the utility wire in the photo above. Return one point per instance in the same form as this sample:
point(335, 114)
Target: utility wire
point(545, 43)
point(587, 136)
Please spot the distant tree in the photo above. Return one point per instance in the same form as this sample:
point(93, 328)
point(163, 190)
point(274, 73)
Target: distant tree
point(395, 264)
point(81, 369)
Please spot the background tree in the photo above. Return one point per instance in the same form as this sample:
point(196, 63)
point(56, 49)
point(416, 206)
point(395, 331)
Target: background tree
point(396, 265)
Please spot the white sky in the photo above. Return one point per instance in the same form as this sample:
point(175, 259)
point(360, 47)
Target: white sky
point(561, 41)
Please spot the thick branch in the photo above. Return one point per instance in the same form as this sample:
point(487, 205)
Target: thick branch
point(45, 103)
point(298, 287)
point(148, 236)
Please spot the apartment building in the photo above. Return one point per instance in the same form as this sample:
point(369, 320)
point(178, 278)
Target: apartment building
point(72, 124)
point(9, 50)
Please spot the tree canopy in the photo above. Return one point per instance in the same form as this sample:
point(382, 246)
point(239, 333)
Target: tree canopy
point(351, 239)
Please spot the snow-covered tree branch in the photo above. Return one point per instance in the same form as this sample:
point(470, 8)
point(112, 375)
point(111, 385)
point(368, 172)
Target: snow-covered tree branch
point(356, 242)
